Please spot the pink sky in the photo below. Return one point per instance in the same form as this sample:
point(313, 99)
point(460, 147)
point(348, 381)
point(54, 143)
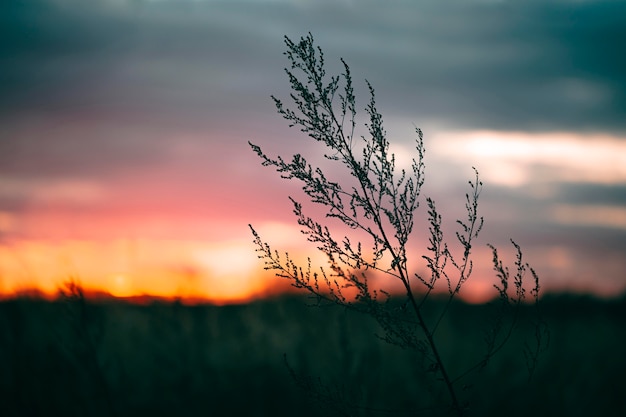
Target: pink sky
point(123, 136)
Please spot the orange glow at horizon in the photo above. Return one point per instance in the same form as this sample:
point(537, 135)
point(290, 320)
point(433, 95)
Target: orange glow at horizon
point(120, 285)
point(223, 273)
point(219, 272)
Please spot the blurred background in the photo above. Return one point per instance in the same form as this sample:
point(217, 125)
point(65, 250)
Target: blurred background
point(124, 166)
point(124, 126)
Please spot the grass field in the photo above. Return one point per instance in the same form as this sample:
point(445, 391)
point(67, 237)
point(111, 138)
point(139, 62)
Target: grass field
point(112, 358)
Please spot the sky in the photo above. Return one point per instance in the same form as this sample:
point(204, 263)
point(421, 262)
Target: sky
point(124, 124)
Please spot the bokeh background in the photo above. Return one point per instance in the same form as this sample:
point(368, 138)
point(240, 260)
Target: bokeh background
point(124, 126)
point(124, 166)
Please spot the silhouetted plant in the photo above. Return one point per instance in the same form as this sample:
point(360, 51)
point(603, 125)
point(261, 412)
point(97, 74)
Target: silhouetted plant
point(378, 202)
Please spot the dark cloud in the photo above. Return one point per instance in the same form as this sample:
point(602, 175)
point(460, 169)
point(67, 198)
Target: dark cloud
point(498, 65)
point(524, 66)
point(597, 194)
point(108, 84)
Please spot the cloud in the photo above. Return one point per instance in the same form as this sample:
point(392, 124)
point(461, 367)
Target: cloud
point(71, 191)
point(517, 158)
point(105, 87)
point(151, 103)
point(591, 215)
point(489, 65)
point(610, 194)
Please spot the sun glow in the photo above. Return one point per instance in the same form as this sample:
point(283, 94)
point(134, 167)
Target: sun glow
point(120, 285)
point(217, 272)
point(192, 271)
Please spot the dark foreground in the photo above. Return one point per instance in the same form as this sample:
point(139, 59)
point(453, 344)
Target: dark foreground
point(118, 359)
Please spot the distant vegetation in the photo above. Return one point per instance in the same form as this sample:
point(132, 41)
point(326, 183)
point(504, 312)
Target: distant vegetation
point(70, 358)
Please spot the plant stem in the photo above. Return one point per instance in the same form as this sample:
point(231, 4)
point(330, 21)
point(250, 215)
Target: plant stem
point(433, 346)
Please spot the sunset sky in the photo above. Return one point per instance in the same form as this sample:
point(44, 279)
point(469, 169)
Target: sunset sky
point(124, 126)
